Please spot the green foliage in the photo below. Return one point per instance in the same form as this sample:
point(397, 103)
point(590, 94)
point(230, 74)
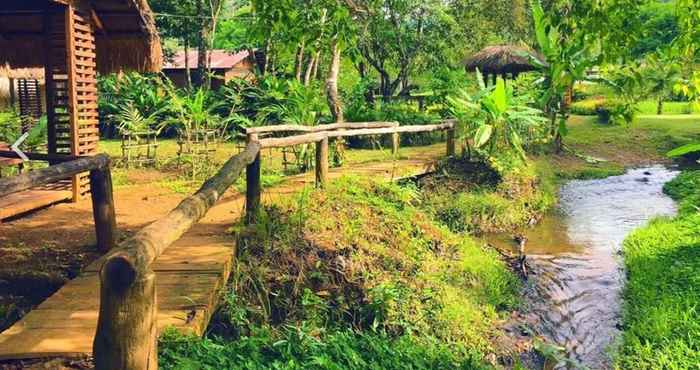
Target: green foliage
point(300, 348)
point(133, 100)
point(684, 150)
point(494, 119)
point(363, 255)
point(290, 102)
point(506, 201)
point(661, 319)
point(586, 107)
point(616, 112)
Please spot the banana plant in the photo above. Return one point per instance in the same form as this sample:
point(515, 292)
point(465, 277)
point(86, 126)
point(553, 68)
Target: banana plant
point(494, 119)
point(567, 58)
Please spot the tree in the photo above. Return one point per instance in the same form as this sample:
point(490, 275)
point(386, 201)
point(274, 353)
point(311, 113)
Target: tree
point(399, 37)
point(661, 73)
point(575, 36)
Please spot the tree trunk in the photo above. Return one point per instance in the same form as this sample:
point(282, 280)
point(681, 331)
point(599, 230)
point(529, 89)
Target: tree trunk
point(334, 102)
point(188, 75)
point(660, 107)
point(201, 49)
point(309, 70)
point(299, 61)
point(314, 72)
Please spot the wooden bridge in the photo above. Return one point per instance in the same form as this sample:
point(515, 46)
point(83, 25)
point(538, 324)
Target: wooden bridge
point(169, 274)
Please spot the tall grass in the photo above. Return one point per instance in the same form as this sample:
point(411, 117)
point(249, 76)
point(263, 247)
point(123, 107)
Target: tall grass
point(662, 296)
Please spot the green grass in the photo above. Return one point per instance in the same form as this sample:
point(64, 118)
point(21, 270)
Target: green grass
point(662, 304)
point(299, 349)
point(369, 279)
point(648, 107)
point(505, 203)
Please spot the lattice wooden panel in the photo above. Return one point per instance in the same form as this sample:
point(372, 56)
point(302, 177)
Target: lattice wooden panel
point(73, 89)
point(29, 97)
point(83, 86)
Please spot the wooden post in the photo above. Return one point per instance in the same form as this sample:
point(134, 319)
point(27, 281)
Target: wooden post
point(103, 208)
point(395, 142)
point(322, 163)
point(252, 196)
point(451, 150)
point(127, 336)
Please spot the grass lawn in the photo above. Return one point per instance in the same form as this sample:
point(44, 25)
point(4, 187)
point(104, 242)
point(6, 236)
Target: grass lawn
point(645, 141)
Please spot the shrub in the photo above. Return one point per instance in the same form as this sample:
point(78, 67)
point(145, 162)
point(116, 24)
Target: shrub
point(616, 112)
point(587, 107)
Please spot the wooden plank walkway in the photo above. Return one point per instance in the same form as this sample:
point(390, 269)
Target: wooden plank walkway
point(190, 275)
point(25, 201)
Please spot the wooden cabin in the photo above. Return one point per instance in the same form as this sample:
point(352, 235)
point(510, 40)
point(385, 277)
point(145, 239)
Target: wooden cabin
point(73, 41)
point(224, 65)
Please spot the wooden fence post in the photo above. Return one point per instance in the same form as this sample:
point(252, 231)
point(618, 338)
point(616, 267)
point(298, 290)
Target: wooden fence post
point(252, 195)
point(451, 149)
point(395, 142)
point(126, 335)
point(103, 208)
point(322, 163)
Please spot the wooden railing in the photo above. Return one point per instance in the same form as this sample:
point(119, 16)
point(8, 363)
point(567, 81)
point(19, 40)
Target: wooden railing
point(126, 336)
point(67, 167)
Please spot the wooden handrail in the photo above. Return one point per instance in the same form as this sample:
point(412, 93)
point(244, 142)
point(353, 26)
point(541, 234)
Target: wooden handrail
point(57, 158)
point(127, 290)
point(316, 137)
point(319, 128)
point(52, 174)
point(126, 335)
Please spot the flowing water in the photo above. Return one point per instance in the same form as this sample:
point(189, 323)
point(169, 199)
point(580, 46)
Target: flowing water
point(575, 298)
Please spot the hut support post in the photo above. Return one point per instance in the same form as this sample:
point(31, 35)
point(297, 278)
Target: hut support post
point(103, 208)
point(322, 163)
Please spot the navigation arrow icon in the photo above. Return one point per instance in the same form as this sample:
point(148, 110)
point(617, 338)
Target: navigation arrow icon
point(15, 147)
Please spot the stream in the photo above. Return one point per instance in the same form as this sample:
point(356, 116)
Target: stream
point(574, 256)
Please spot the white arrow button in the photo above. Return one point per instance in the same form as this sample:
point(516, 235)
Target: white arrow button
point(15, 147)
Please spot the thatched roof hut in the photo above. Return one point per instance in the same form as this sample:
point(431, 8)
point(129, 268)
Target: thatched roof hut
point(503, 59)
point(125, 34)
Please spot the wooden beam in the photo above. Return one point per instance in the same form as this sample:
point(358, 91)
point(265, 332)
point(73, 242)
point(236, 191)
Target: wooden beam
point(52, 174)
point(98, 23)
point(319, 128)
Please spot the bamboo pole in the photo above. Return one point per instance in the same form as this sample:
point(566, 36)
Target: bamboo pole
point(395, 142)
point(451, 149)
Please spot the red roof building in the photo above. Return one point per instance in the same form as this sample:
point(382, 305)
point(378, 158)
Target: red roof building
point(225, 65)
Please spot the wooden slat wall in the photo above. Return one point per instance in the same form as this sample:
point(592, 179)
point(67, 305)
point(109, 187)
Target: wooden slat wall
point(56, 72)
point(73, 90)
point(29, 94)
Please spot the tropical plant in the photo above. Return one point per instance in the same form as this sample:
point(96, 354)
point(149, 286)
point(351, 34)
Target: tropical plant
point(131, 120)
point(195, 111)
point(494, 119)
point(567, 56)
point(145, 94)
